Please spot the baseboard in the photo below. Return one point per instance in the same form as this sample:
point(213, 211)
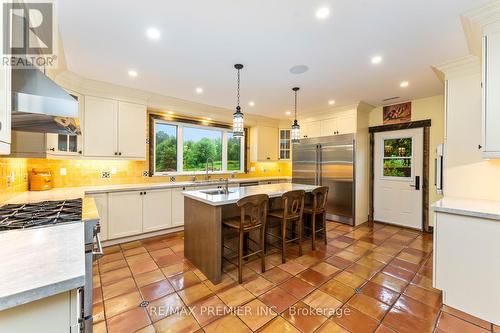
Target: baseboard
point(141, 236)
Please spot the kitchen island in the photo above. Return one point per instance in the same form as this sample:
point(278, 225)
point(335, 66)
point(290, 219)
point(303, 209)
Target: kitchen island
point(203, 214)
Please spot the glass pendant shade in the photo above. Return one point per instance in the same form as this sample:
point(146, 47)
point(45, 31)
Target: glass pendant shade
point(295, 135)
point(238, 123)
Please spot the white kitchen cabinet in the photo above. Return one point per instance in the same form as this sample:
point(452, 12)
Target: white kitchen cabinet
point(491, 97)
point(346, 124)
point(178, 206)
point(114, 129)
point(131, 130)
point(263, 144)
point(100, 138)
point(329, 127)
point(57, 313)
point(157, 210)
point(466, 263)
point(5, 102)
point(310, 130)
point(125, 214)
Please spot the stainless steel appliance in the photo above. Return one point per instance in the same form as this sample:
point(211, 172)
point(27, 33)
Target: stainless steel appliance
point(48, 213)
point(40, 105)
point(328, 161)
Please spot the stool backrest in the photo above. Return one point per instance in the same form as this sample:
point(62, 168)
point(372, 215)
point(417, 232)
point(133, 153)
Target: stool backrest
point(255, 208)
point(320, 198)
point(293, 204)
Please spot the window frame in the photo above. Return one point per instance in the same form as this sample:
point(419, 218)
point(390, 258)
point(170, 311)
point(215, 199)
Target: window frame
point(410, 158)
point(180, 124)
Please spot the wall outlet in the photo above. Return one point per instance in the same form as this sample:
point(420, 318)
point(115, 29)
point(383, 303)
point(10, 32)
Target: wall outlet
point(105, 175)
point(63, 171)
point(145, 173)
point(114, 171)
point(252, 169)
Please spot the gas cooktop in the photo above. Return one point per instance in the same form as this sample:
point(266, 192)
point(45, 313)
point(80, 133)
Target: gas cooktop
point(20, 216)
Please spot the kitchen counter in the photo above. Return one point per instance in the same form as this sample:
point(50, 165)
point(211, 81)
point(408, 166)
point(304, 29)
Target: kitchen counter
point(484, 209)
point(203, 215)
point(40, 262)
point(235, 194)
point(80, 192)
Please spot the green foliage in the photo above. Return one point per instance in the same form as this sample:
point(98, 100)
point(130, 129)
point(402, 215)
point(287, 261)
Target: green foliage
point(166, 152)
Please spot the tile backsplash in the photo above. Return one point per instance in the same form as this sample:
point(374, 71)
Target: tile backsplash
point(13, 177)
point(73, 173)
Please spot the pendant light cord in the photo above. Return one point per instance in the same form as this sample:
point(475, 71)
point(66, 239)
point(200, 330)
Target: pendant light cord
point(238, 95)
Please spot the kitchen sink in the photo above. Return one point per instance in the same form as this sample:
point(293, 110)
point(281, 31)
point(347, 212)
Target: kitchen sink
point(215, 192)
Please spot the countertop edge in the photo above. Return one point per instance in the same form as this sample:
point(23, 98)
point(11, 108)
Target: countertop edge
point(442, 206)
point(27, 296)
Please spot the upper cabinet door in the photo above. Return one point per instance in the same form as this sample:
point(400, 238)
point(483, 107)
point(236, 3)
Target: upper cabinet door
point(100, 127)
point(132, 130)
point(314, 129)
point(491, 96)
point(263, 144)
point(329, 127)
point(346, 124)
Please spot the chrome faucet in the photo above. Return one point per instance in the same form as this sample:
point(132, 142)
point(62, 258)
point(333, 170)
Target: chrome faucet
point(226, 186)
point(207, 177)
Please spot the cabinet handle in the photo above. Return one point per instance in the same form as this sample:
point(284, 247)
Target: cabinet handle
point(116, 153)
point(52, 149)
point(0, 125)
point(120, 153)
point(80, 152)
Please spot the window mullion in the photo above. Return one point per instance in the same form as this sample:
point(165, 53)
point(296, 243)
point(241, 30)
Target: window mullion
point(224, 151)
point(180, 148)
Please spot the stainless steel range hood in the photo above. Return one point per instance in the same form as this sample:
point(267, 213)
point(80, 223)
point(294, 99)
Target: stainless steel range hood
point(40, 105)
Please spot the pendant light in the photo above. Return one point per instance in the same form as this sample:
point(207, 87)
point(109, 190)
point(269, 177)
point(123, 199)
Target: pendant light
point(238, 115)
point(295, 127)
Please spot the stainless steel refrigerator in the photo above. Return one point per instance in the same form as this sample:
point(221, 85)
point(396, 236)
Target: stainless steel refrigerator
point(328, 161)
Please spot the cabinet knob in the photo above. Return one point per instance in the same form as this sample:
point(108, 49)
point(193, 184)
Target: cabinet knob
point(80, 152)
point(116, 153)
point(52, 149)
point(120, 153)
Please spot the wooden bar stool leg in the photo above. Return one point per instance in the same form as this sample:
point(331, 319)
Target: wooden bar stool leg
point(324, 227)
point(283, 241)
point(240, 259)
point(300, 236)
point(313, 228)
point(262, 251)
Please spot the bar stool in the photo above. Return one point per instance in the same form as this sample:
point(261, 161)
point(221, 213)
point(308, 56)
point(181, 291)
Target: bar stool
point(293, 209)
point(318, 207)
point(253, 215)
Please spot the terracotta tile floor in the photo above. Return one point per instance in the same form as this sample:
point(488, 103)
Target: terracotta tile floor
point(375, 278)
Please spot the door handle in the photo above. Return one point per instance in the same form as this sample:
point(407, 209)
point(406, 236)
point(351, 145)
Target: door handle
point(417, 183)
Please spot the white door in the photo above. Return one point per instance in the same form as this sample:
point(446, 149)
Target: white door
point(157, 210)
point(131, 130)
point(125, 214)
point(398, 175)
point(100, 127)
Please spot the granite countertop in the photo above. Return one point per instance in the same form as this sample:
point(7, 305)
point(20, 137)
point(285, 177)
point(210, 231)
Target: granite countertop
point(40, 262)
point(484, 209)
point(235, 194)
point(80, 192)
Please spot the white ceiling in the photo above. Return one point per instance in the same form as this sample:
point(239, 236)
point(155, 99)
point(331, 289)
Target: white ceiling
point(201, 41)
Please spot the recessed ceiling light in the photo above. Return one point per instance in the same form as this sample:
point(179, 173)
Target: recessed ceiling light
point(153, 33)
point(322, 13)
point(199, 90)
point(288, 113)
point(251, 103)
point(331, 102)
point(404, 84)
point(376, 60)
point(132, 73)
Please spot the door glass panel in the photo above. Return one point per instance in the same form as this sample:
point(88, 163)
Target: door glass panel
point(397, 159)
point(62, 142)
point(72, 139)
point(233, 152)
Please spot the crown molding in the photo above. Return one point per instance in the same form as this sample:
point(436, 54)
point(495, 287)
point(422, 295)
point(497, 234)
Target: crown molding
point(470, 64)
point(485, 15)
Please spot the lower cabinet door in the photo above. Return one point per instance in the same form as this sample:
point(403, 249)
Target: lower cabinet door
point(157, 210)
point(178, 206)
point(124, 214)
